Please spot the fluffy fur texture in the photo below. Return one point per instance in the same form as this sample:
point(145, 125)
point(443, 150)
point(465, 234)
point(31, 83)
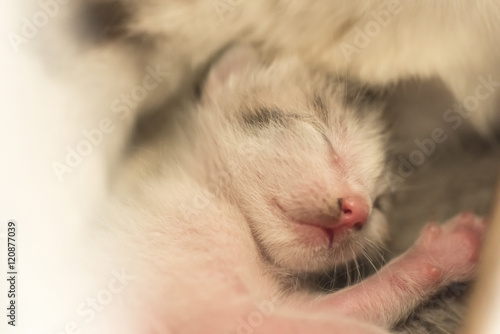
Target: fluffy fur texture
point(454, 41)
point(212, 244)
point(378, 42)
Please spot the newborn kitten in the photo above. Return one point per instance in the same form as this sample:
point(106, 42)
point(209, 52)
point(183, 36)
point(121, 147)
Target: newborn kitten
point(276, 177)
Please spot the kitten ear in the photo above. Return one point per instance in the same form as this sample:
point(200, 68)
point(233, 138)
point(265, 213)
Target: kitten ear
point(234, 61)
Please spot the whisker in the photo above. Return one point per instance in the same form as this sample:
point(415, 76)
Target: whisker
point(348, 274)
point(369, 259)
point(356, 264)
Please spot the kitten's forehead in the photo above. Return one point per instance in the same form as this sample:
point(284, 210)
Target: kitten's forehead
point(283, 86)
point(283, 91)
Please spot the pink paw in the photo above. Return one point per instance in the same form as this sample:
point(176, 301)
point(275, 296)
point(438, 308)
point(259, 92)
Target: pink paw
point(452, 249)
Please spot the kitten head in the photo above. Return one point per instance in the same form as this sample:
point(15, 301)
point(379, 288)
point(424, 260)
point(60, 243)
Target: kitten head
point(304, 155)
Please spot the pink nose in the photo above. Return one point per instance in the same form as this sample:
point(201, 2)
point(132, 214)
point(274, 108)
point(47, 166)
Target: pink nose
point(354, 212)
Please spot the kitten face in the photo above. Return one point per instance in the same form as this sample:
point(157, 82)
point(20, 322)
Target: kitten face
point(304, 165)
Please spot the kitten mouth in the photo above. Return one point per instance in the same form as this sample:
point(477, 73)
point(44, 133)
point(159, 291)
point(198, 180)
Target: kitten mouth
point(329, 232)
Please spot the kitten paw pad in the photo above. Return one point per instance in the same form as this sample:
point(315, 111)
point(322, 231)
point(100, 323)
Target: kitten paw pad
point(454, 246)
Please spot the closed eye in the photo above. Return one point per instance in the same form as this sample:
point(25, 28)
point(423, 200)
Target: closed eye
point(263, 117)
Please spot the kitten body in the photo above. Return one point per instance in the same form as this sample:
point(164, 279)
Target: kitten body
point(249, 200)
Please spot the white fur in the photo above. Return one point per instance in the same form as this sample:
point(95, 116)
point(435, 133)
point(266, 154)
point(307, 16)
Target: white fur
point(415, 39)
point(205, 239)
point(455, 41)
